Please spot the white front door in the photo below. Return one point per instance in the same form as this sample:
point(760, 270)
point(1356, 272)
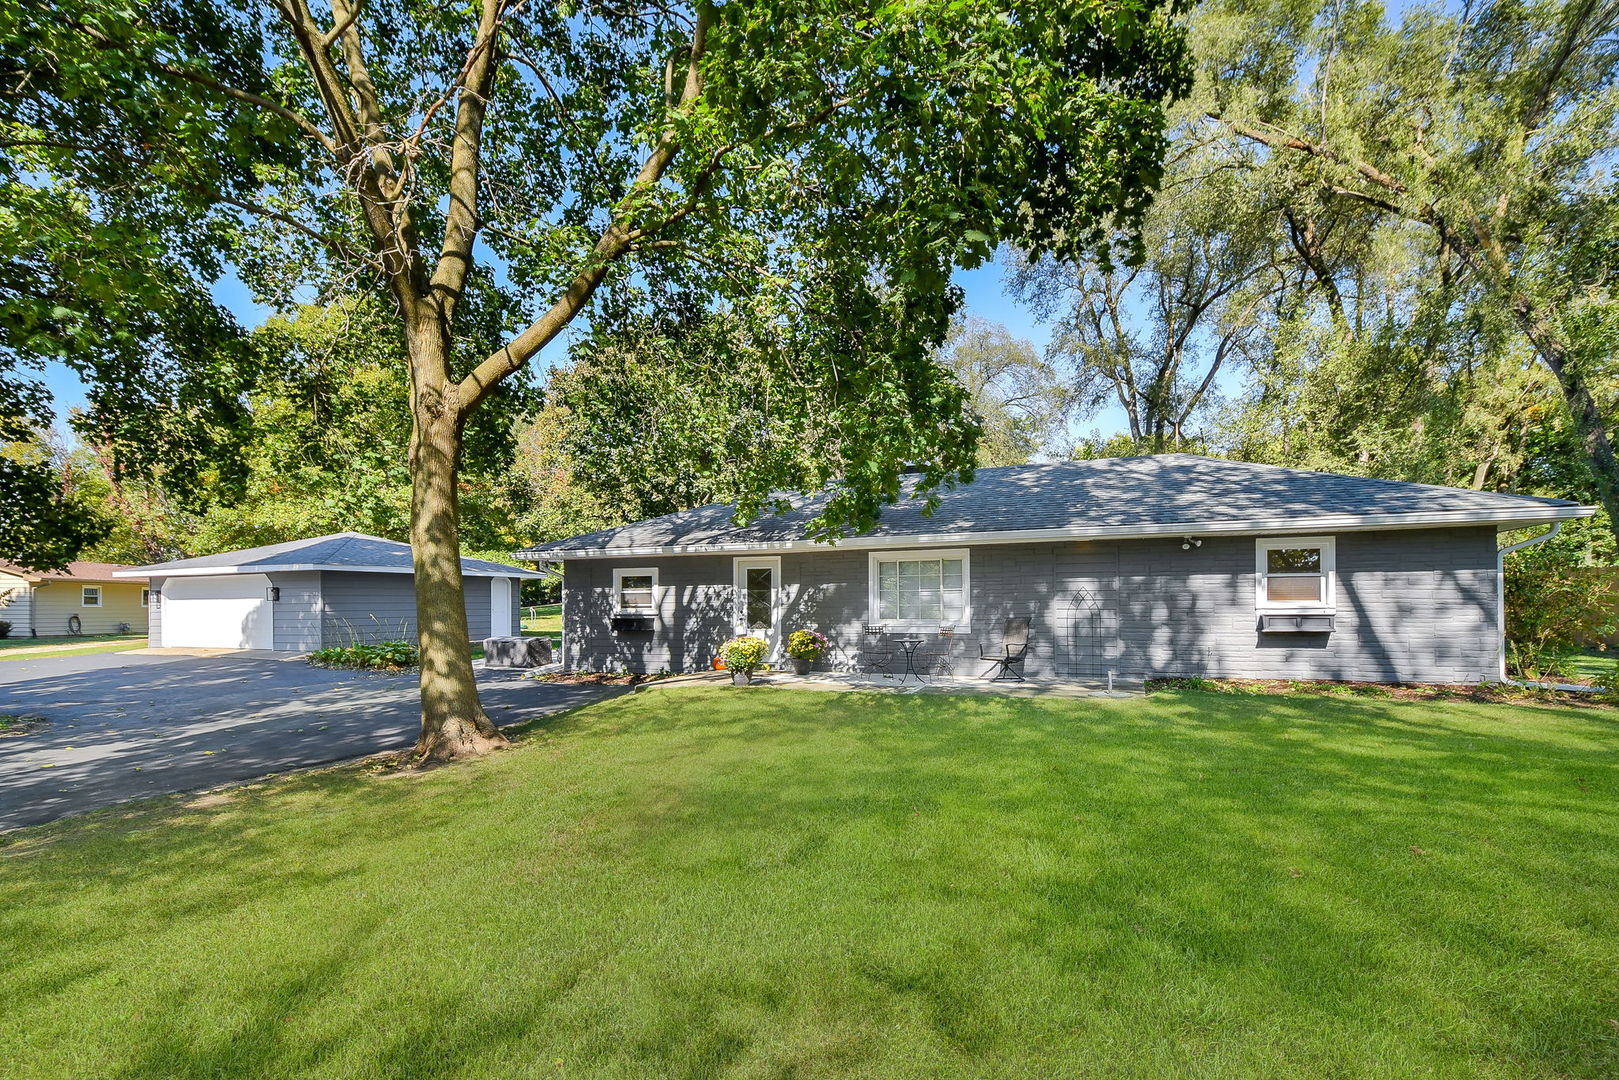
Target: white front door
point(758, 599)
point(500, 607)
point(231, 611)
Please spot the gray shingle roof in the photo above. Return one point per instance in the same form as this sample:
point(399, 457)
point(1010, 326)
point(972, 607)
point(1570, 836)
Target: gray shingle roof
point(1162, 494)
point(340, 551)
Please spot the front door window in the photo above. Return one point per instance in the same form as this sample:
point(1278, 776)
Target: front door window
point(760, 599)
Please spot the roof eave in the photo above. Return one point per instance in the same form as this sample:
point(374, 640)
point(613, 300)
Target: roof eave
point(289, 568)
point(1515, 517)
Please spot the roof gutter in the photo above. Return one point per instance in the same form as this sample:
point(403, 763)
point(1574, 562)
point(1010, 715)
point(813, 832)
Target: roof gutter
point(1245, 526)
point(292, 568)
point(1501, 589)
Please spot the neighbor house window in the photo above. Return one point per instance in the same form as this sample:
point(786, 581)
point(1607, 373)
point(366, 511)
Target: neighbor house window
point(146, 598)
point(90, 596)
point(919, 590)
point(635, 590)
point(1296, 573)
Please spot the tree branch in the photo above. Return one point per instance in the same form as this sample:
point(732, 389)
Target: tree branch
point(336, 244)
point(461, 222)
point(292, 116)
point(612, 244)
point(1284, 141)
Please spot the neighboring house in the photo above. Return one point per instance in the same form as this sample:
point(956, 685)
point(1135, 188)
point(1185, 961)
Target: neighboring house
point(46, 603)
point(306, 594)
point(1164, 565)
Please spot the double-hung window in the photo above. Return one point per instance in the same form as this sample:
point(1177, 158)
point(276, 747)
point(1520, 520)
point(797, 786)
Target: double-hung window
point(919, 590)
point(1296, 574)
point(90, 596)
point(635, 591)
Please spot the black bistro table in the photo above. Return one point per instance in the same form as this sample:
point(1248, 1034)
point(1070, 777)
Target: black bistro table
point(909, 645)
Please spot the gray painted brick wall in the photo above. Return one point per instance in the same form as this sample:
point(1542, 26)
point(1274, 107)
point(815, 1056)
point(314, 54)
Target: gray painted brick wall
point(1413, 606)
point(360, 607)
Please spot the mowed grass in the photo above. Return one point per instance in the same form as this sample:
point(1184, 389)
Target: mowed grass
point(547, 620)
point(125, 645)
point(24, 642)
point(1590, 664)
point(770, 883)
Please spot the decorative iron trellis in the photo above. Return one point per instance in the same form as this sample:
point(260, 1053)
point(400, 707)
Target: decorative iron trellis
point(1080, 653)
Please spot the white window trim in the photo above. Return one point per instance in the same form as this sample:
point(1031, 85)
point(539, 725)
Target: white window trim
point(739, 604)
point(84, 596)
point(874, 605)
point(1328, 604)
point(622, 572)
point(146, 598)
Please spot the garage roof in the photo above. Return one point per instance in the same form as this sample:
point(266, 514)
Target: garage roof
point(350, 551)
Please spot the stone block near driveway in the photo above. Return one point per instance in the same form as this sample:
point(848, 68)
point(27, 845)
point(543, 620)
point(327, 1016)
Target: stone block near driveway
point(516, 652)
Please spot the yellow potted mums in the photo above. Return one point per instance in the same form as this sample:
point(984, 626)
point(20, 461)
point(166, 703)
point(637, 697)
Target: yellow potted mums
point(804, 647)
point(742, 656)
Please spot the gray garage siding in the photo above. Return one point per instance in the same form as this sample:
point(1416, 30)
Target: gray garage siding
point(1413, 606)
point(361, 607)
point(154, 613)
point(297, 615)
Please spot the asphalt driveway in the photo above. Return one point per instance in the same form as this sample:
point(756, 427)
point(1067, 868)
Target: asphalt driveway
point(128, 725)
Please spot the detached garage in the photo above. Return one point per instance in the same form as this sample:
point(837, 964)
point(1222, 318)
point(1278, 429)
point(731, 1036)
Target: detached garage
point(306, 594)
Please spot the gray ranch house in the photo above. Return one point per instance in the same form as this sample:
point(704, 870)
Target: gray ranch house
point(1171, 565)
point(302, 595)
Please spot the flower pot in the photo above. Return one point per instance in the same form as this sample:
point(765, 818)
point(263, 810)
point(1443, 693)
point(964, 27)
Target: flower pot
point(741, 678)
point(801, 666)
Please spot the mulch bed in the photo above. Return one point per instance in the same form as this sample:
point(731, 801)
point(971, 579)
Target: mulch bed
point(1485, 693)
point(597, 678)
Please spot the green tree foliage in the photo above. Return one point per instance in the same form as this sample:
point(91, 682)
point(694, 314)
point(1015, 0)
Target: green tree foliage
point(324, 443)
point(1559, 598)
point(1443, 186)
point(1018, 397)
point(642, 422)
point(1153, 338)
point(46, 517)
point(815, 170)
point(107, 240)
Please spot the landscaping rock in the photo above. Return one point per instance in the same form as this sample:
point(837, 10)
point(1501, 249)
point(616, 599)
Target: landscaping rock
point(516, 652)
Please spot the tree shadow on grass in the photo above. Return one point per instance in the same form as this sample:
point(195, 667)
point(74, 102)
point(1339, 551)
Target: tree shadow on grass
point(915, 886)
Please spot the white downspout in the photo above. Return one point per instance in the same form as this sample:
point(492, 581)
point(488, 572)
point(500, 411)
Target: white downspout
point(1501, 588)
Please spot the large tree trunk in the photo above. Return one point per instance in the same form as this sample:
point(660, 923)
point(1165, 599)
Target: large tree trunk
point(454, 724)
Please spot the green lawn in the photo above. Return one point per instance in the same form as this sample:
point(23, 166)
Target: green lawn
point(769, 883)
point(26, 642)
point(112, 646)
point(1588, 665)
point(548, 621)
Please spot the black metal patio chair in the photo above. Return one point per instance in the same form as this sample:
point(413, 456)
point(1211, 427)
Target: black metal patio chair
point(876, 658)
point(1006, 660)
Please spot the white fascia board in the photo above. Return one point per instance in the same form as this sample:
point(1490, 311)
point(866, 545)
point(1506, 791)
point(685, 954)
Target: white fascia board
point(290, 568)
point(1241, 527)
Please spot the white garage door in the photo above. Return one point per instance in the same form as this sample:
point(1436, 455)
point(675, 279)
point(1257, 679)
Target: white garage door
point(227, 612)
